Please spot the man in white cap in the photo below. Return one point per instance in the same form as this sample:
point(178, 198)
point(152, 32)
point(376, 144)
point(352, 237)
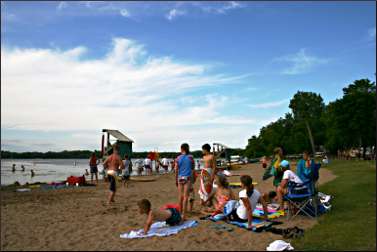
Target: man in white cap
point(288, 176)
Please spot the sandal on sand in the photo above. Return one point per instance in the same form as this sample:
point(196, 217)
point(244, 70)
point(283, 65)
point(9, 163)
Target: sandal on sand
point(221, 227)
point(204, 217)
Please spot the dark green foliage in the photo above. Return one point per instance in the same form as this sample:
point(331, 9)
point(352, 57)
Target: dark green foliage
point(351, 121)
point(345, 123)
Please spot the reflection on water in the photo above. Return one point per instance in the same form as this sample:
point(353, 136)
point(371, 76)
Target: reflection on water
point(50, 170)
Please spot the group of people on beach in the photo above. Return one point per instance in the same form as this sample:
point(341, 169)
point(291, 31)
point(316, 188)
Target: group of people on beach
point(214, 190)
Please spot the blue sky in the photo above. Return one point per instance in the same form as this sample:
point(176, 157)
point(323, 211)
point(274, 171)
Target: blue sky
point(168, 72)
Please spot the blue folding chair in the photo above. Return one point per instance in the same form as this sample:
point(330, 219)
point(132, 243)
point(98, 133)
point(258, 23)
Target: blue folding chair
point(303, 198)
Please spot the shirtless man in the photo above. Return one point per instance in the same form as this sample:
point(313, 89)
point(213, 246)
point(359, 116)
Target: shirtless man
point(207, 175)
point(112, 164)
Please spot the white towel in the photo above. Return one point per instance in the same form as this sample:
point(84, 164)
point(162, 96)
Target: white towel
point(159, 229)
point(279, 245)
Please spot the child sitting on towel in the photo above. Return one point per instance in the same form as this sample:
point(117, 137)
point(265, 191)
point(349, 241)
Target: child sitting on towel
point(171, 216)
point(223, 194)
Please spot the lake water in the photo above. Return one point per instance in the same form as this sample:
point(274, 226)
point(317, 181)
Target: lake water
point(50, 170)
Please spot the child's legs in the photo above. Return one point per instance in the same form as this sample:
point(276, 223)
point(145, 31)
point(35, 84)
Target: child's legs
point(186, 191)
point(280, 194)
point(96, 177)
point(191, 204)
point(180, 196)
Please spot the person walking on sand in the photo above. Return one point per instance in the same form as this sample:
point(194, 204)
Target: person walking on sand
point(93, 167)
point(207, 175)
point(148, 166)
point(112, 164)
point(165, 164)
point(184, 165)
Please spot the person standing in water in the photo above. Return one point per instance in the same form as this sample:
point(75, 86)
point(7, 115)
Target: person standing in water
point(32, 173)
point(207, 175)
point(13, 167)
point(93, 167)
point(22, 168)
point(126, 173)
point(112, 164)
point(198, 165)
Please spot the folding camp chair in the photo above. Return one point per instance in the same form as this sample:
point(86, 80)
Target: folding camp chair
point(303, 198)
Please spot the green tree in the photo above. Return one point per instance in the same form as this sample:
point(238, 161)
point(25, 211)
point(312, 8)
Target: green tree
point(351, 120)
point(307, 107)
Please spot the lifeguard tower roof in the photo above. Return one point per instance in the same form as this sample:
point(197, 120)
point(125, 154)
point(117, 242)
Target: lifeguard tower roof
point(118, 135)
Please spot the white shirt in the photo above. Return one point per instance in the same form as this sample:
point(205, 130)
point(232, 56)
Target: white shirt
point(165, 161)
point(147, 161)
point(241, 209)
point(292, 177)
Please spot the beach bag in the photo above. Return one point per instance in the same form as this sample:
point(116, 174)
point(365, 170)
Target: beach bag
point(73, 180)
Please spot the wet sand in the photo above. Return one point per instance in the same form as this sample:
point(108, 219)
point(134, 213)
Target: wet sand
point(79, 219)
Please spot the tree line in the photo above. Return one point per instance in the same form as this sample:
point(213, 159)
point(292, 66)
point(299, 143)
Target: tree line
point(79, 154)
point(348, 122)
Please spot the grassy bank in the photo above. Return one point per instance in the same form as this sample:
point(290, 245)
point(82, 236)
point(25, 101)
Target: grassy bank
point(351, 224)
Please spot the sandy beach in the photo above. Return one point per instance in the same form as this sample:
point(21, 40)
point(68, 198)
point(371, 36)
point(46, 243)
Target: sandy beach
point(79, 219)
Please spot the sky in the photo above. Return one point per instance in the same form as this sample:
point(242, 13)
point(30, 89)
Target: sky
point(164, 73)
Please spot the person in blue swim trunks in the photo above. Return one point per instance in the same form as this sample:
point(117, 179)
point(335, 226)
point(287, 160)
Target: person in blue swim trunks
point(171, 216)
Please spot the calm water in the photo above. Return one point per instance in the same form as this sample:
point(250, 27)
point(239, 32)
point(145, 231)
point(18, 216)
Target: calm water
point(49, 170)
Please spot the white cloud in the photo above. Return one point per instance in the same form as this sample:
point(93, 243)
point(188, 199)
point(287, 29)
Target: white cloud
point(220, 8)
point(268, 105)
point(127, 89)
point(62, 5)
point(230, 6)
point(173, 13)
point(301, 62)
point(124, 13)
point(372, 33)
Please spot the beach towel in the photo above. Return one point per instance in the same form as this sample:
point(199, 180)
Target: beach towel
point(159, 229)
point(238, 184)
point(272, 213)
point(257, 224)
point(206, 184)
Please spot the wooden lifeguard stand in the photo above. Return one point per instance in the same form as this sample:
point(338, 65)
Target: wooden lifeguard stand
point(218, 149)
point(124, 143)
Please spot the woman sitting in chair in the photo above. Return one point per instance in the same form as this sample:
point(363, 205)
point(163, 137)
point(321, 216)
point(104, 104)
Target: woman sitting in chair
point(288, 176)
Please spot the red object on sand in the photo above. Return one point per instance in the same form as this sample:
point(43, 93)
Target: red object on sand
point(172, 205)
point(72, 180)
